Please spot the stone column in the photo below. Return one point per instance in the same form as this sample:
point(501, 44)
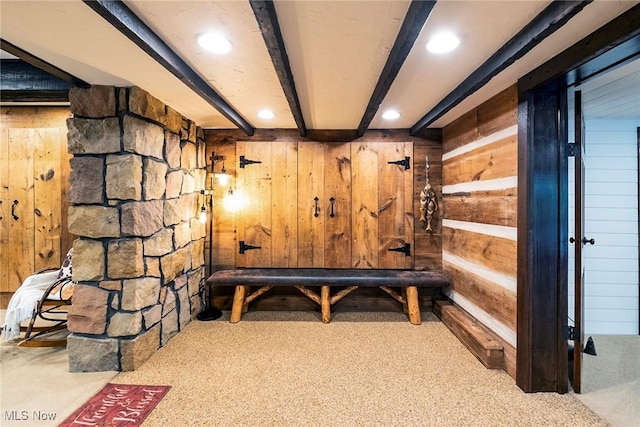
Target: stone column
point(136, 175)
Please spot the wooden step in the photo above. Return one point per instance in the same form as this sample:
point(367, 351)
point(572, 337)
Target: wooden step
point(476, 337)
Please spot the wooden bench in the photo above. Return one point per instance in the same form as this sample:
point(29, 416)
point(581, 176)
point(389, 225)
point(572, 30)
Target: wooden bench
point(348, 279)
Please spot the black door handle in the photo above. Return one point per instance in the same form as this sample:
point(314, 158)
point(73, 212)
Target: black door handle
point(585, 241)
point(316, 212)
point(332, 201)
point(13, 210)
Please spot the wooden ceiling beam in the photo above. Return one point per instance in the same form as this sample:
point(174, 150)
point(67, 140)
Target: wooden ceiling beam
point(614, 43)
point(553, 17)
point(414, 20)
point(128, 23)
point(265, 13)
point(41, 64)
point(23, 82)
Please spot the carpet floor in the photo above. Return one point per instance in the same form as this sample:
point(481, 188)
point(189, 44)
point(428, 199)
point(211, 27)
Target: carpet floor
point(364, 369)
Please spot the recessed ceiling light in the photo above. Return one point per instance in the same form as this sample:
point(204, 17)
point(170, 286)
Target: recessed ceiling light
point(266, 114)
point(214, 43)
point(390, 115)
point(443, 43)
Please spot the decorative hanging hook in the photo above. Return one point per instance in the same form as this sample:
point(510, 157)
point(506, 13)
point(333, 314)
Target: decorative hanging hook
point(428, 201)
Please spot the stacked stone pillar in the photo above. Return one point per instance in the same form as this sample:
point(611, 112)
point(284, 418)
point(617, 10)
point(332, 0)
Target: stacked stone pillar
point(137, 170)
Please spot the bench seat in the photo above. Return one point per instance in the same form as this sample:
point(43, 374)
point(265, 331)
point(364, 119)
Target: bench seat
point(349, 279)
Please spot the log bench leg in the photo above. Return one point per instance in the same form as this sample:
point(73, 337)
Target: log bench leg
point(405, 306)
point(238, 303)
point(325, 304)
point(413, 306)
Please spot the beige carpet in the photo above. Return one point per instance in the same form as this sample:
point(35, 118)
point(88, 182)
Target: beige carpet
point(376, 371)
point(611, 379)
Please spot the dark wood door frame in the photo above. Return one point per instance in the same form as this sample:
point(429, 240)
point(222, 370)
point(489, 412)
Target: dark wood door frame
point(542, 363)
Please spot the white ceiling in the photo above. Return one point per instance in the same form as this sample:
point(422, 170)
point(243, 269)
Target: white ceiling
point(614, 94)
point(336, 49)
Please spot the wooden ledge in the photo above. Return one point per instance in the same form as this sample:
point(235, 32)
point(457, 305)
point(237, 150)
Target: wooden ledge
point(482, 342)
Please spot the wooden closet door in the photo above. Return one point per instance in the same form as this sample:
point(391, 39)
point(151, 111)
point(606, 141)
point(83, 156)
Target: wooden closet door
point(382, 197)
point(364, 192)
point(268, 221)
point(284, 228)
point(395, 205)
point(20, 201)
point(47, 192)
point(311, 200)
point(31, 182)
point(254, 225)
point(324, 205)
point(5, 209)
point(337, 212)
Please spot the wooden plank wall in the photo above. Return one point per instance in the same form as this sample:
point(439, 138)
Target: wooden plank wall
point(35, 170)
point(479, 248)
point(427, 246)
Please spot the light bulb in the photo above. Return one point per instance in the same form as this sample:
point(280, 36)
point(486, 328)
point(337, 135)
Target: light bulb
point(223, 178)
point(203, 214)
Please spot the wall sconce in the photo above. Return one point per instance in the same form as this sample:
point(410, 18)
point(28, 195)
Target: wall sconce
point(211, 312)
point(203, 207)
point(222, 177)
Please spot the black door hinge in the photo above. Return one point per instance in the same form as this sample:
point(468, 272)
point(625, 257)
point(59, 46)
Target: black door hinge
point(572, 149)
point(406, 249)
point(244, 247)
point(244, 162)
point(406, 162)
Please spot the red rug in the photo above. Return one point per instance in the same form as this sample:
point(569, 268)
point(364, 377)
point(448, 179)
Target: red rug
point(118, 405)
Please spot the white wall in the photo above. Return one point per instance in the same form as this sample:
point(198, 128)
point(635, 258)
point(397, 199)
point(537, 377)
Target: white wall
point(611, 218)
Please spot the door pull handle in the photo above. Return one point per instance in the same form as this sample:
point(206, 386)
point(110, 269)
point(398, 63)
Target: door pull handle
point(316, 212)
point(585, 241)
point(13, 210)
point(332, 201)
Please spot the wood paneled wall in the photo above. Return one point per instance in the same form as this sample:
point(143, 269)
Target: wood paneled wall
point(34, 171)
point(427, 246)
point(479, 253)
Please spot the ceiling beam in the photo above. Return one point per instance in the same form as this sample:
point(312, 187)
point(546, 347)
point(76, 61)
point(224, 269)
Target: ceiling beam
point(414, 20)
point(265, 13)
point(40, 64)
point(123, 19)
point(23, 82)
point(613, 43)
point(554, 16)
